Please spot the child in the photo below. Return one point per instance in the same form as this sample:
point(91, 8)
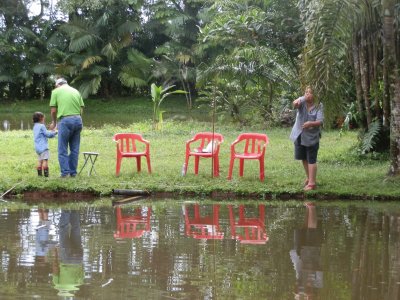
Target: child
point(40, 136)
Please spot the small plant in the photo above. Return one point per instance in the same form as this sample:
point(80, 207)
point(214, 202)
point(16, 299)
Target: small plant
point(375, 139)
point(158, 94)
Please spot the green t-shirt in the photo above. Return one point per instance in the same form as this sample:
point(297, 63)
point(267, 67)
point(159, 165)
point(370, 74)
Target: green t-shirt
point(69, 279)
point(67, 100)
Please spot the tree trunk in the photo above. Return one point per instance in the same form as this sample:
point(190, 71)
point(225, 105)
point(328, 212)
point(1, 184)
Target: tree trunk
point(386, 90)
point(357, 78)
point(374, 78)
point(388, 7)
point(364, 70)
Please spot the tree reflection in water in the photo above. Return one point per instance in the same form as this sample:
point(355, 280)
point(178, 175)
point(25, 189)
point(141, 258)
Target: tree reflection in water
point(202, 251)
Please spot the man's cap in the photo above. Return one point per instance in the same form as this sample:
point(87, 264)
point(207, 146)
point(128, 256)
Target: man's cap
point(60, 81)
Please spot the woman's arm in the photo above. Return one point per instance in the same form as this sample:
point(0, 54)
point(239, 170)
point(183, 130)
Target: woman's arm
point(310, 124)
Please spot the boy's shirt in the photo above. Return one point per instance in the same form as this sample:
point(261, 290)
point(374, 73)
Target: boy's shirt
point(40, 136)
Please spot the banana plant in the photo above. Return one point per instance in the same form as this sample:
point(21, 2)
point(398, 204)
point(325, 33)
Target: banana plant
point(158, 94)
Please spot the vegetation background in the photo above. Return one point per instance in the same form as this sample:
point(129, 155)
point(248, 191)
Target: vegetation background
point(343, 173)
point(246, 60)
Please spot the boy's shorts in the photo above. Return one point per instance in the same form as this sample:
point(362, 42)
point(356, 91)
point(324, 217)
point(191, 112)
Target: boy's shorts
point(44, 155)
point(308, 153)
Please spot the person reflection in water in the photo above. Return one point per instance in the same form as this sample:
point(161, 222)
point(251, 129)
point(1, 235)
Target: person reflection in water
point(68, 263)
point(43, 245)
point(306, 256)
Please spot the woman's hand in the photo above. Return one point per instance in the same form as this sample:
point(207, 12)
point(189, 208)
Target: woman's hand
point(296, 103)
point(308, 124)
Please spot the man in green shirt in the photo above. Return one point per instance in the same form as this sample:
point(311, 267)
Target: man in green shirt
point(66, 109)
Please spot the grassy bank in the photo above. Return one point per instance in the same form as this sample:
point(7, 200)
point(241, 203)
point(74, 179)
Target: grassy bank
point(339, 172)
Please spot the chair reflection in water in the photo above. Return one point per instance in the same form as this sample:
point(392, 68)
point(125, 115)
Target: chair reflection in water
point(203, 227)
point(132, 226)
point(252, 230)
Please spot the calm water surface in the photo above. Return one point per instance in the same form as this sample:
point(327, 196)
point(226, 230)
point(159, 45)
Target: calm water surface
point(23, 121)
point(190, 250)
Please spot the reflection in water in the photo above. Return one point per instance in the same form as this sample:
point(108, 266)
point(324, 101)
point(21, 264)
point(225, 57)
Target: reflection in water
point(248, 230)
point(306, 256)
point(43, 245)
point(68, 262)
point(360, 260)
point(6, 125)
point(132, 225)
point(202, 227)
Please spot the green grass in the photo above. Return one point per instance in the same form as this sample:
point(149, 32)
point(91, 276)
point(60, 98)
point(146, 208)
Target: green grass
point(340, 173)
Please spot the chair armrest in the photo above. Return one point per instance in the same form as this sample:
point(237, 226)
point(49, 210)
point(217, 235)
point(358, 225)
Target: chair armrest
point(234, 144)
point(188, 144)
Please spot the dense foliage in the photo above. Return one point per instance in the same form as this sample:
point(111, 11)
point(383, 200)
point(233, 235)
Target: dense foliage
point(247, 58)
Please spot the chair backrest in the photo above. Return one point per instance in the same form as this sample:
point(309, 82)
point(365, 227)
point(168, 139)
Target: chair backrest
point(207, 137)
point(127, 141)
point(254, 142)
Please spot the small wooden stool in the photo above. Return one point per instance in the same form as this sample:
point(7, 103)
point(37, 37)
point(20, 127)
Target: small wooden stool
point(92, 157)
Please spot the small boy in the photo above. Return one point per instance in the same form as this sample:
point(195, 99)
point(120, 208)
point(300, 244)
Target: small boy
point(40, 136)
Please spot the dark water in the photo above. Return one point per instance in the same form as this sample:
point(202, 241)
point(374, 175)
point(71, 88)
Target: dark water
point(189, 250)
point(23, 121)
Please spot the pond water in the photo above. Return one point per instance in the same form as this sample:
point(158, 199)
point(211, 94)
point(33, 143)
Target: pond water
point(23, 121)
point(190, 250)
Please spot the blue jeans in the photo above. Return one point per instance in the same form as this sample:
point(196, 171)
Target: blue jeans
point(69, 134)
point(70, 237)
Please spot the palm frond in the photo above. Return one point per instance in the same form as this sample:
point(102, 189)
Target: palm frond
point(109, 51)
point(90, 61)
point(89, 87)
point(128, 27)
point(44, 68)
point(81, 41)
point(132, 77)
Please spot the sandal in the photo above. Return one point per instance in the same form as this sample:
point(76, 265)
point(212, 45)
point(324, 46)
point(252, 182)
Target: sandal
point(305, 183)
point(310, 187)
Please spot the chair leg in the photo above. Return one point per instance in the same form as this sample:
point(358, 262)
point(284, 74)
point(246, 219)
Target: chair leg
point(232, 161)
point(241, 167)
point(148, 163)
point(232, 221)
point(139, 163)
point(118, 166)
point(196, 165)
point(262, 175)
point(186, 162)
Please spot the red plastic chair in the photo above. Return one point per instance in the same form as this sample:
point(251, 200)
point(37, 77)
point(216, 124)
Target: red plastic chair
point(253, 228)
point(132, 226)
point(132, 145)
point(202, 140)
point(254, 148)
point(203, 227)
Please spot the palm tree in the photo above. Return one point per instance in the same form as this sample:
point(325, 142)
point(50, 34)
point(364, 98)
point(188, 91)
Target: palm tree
point(339, 29)
point(98, 41)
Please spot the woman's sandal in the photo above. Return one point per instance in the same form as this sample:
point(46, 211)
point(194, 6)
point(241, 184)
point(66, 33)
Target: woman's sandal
point(310, 187)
